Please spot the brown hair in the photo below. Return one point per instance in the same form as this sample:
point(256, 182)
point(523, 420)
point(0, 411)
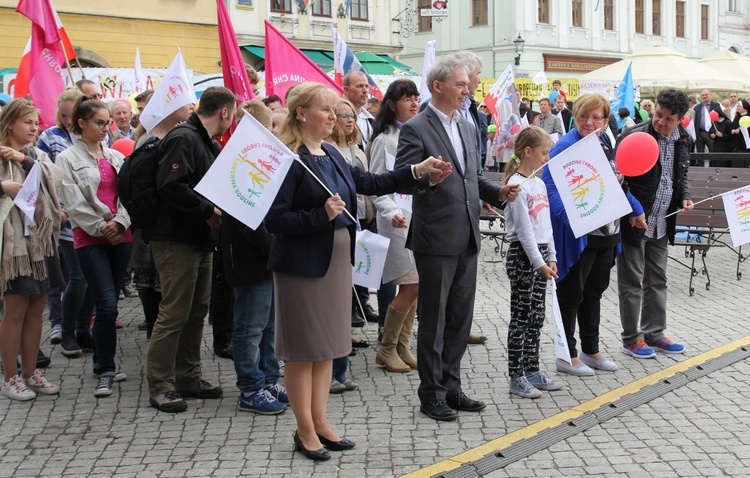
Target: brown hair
point(338, 135)
point(12, 112)
point(591, 101)
point(84, 109)
point(529, 137)
point(257, 109)
point(303, 96)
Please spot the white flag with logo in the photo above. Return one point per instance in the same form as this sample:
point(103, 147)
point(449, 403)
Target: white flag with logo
point(247, 175)
point(737, 210)
point(174, 91)
point(28, 195)
point(370, 252)
point(588, 187)
point(139, 78)
point(561, 343)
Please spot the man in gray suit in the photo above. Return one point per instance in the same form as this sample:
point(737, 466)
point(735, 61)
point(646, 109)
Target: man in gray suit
point(444, 235)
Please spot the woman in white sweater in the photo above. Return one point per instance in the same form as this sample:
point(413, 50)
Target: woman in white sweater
point(401, 103)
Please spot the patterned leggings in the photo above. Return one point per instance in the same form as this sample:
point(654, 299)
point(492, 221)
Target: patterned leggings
point(527, 303)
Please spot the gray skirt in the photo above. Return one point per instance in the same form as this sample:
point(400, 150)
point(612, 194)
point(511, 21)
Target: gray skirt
point(313, 315)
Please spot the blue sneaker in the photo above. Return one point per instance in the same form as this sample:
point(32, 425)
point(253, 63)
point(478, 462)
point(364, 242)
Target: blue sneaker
point(278, 392)
point(667, 346)
point(639, 350)
point(260, 402)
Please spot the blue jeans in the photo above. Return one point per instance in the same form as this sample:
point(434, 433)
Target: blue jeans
point(339, 368)
point(104, 268)
point(253, 337)
point(77, 300)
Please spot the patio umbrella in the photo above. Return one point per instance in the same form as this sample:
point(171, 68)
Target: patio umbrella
point(728, 62)
point(657, 68)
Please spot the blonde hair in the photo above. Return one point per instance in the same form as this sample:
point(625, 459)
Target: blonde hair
point(12, 112)
point(257, 109)
point(591, 101)
point(71, 94)
point(529, 137)
point(303, 96)
point(338, 135)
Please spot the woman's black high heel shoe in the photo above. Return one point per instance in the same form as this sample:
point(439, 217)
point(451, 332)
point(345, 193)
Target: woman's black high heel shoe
point(341, 445)
point(317, 455)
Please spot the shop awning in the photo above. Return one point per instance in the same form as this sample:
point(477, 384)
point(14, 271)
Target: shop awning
point(322, 58)
point(258, 51)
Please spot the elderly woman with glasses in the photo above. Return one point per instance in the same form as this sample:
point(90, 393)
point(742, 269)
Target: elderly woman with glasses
point(101, 234)
point(584, 263)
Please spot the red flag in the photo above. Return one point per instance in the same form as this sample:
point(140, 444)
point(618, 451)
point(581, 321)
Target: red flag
point(70, 52)
point(232, 65)
point(46, 59)
point(286, 66)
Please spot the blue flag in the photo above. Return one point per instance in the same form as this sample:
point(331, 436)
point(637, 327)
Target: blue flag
point(625, 93)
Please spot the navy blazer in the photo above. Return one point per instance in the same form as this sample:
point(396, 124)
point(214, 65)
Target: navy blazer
point(713, 106)
point(302, 241)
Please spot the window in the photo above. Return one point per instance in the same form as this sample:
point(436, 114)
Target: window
point(704, 21)
point(640, 16)
point(479, 12)
point(656, 18)
point(281, 6)
point(577, 11)
point(322, 8)
point(424, 23)
point(543, 11)
point(733, 7)
point(679, 21)
point(358, 10)
point(609, 14)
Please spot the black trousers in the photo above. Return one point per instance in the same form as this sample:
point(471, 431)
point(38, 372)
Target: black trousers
point(579, 295)
point(220, 313)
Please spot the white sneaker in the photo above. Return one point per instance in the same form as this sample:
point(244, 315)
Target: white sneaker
point(16, 389)
point(55, 334)
point(39, 384)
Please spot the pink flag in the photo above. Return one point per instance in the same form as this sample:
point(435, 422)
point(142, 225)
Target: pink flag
point(232, 65)
point(286, 66)
point(46, 58)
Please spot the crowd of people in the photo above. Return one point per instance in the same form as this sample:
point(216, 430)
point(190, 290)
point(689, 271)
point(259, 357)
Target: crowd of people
point(279, 295)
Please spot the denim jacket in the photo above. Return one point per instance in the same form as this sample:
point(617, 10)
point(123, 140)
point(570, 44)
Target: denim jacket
point(79, 186)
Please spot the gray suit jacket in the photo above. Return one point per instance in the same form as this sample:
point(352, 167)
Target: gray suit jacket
point(445, 222)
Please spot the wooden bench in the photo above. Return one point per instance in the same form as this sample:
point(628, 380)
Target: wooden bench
point(723, 174)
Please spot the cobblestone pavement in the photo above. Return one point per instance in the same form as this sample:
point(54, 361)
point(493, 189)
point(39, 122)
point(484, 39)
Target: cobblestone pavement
point(76, 434)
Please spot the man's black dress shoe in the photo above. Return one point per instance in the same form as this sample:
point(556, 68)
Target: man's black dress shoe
point(439, 410)
point(341, 445)
point(464, 403)
point(42, 361)
point(357, 319)
point(370, 313)
point(223, 351)
point(317, 455)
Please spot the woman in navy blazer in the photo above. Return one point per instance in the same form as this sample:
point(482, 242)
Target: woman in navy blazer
point(312, 250)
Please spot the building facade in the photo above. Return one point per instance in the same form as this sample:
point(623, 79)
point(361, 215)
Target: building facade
point(569, 38)
point(106, 34)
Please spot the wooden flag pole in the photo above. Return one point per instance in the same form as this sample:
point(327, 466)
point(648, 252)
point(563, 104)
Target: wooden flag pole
point(67, 63)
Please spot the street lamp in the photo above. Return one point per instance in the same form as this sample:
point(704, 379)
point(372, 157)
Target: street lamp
point(519, 43)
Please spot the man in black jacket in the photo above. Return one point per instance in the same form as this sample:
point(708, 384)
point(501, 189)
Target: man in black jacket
point(182, 244)
point(704, 127)
point(642, 265)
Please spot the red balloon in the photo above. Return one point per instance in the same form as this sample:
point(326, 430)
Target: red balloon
point(636, 154)
point(713, 115)
point(123, 145)
point(685, 121)
point(515, 128)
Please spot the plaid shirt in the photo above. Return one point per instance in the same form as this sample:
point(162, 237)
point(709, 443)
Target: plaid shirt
point(657, 224)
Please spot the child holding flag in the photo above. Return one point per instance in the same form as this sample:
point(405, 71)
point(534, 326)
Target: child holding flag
point(531, 262)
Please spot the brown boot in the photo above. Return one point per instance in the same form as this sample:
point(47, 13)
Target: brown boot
point(387, 356)
point(402, 348)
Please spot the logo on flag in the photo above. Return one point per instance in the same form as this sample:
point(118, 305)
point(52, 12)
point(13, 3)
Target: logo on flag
point(370, 251)
point(174, 91)
point(737, 210)
point(585, 184)
point(247, 175)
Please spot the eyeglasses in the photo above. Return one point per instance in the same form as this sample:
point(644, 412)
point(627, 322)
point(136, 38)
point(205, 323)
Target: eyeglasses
point(346, 115)
point(410, 99)
point(593, 118)
point(102, 125)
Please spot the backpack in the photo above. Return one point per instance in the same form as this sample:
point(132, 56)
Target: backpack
point(136, 185)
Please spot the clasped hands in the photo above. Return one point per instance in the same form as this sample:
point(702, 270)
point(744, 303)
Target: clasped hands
point(112, 231)
point(436, 168)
